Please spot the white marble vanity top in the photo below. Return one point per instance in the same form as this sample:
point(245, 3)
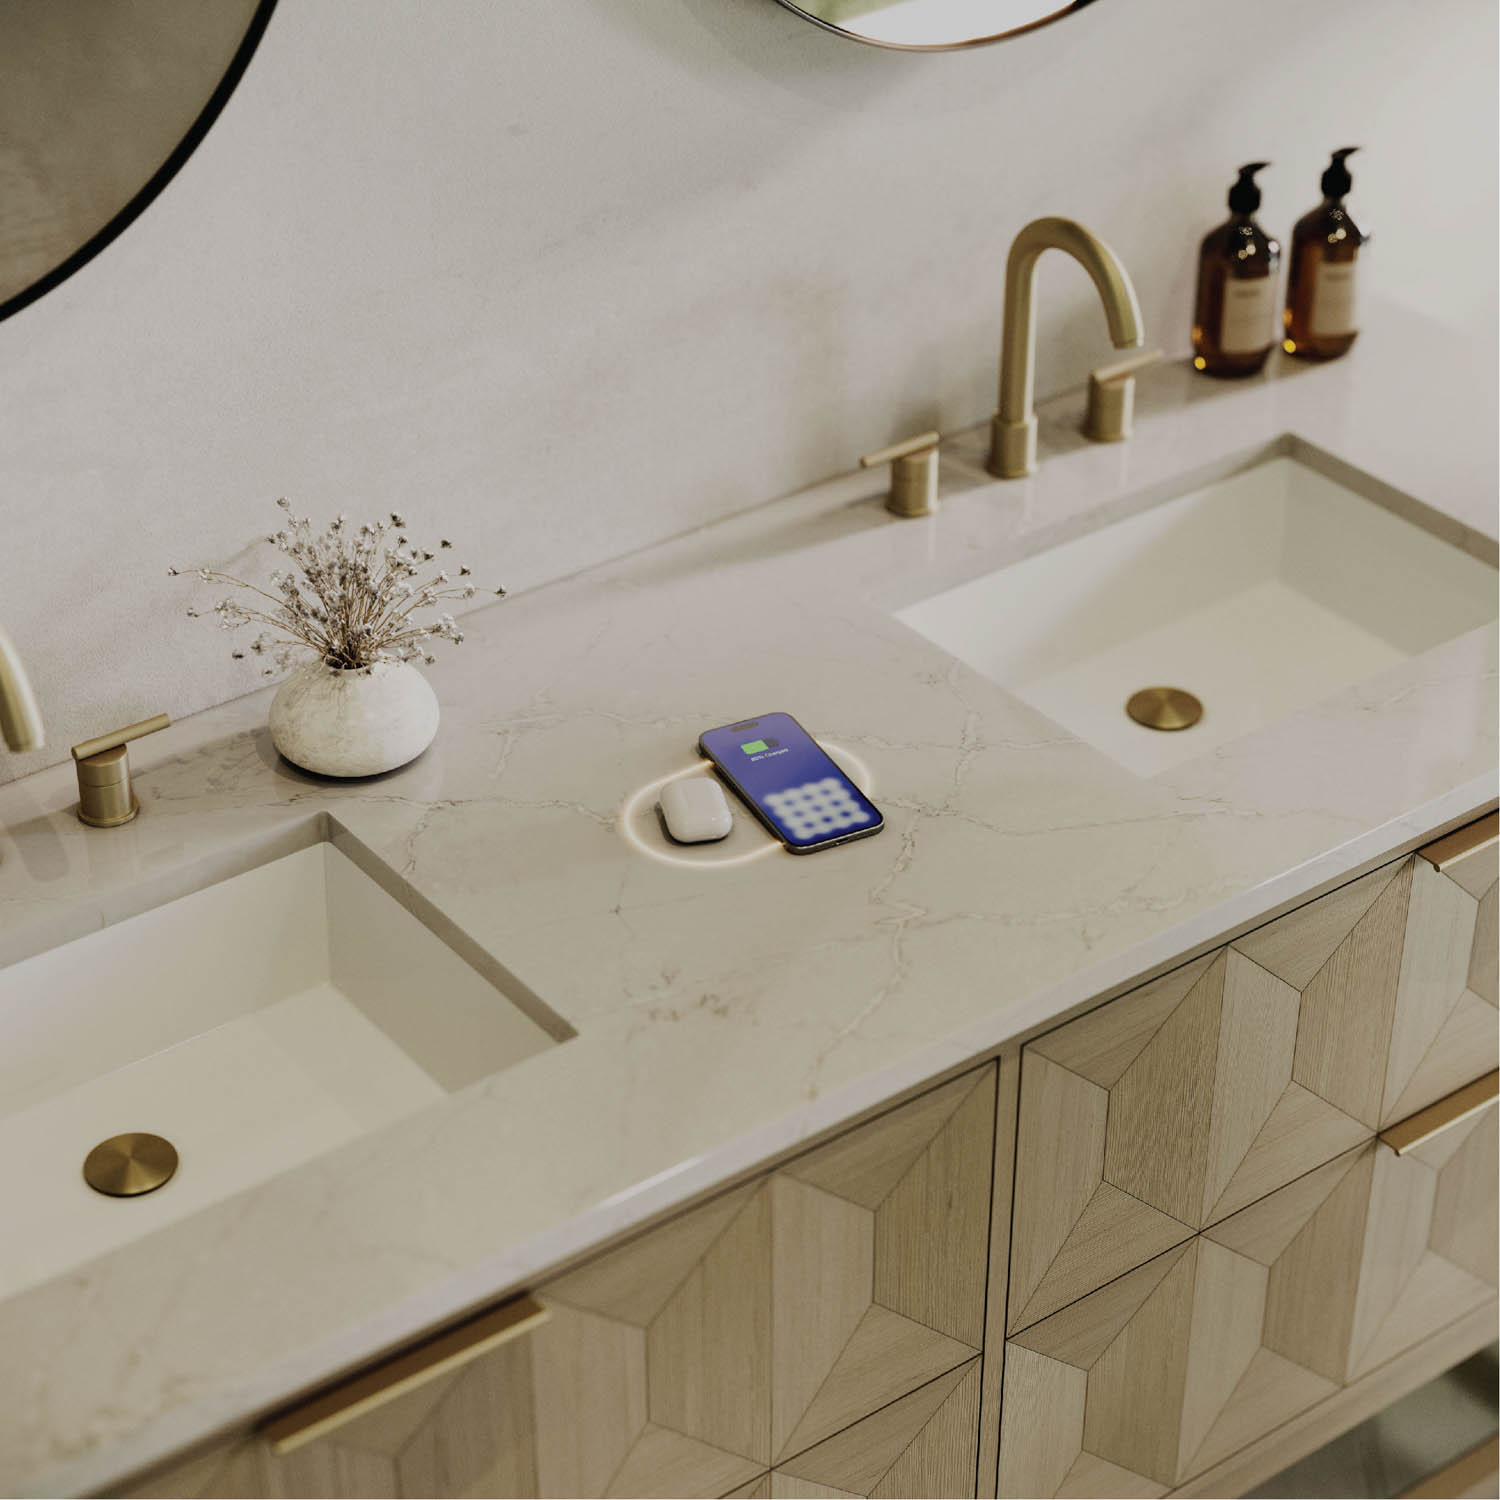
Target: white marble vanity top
point(727, 1014)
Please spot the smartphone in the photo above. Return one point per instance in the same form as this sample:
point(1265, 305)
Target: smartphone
point(788, 781)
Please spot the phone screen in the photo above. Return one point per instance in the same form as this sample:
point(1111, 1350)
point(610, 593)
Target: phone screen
point(790, 783)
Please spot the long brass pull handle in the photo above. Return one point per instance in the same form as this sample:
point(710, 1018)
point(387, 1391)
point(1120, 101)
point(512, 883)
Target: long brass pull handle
point(1416, 1130)
point(1463, 842)
point(401, 1373)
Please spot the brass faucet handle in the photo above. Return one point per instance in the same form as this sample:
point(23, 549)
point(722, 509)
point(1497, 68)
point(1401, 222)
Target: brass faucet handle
point(914, 474)
point(106, 798)
point(1112, 397)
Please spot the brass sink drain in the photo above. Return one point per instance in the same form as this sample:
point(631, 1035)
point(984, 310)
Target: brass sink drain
point(1164, 708)
point(125, 1166)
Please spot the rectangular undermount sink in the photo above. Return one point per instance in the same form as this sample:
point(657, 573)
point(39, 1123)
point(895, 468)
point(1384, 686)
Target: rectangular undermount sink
point(1260, 595)
point(255, 1024)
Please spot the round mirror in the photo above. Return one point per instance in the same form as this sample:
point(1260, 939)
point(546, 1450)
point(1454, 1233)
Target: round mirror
point(931, 25)
point(101, 102)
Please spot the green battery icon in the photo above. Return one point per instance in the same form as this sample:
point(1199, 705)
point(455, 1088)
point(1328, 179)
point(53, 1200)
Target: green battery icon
point(755, 747)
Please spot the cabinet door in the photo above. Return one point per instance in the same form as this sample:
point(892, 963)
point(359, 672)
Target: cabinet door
point(1184, 1101)
point(1186, 1359)
point(848, 1282)
point(823, 1321)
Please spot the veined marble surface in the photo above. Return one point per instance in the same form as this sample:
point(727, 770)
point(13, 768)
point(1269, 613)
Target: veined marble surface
point(729, 1012)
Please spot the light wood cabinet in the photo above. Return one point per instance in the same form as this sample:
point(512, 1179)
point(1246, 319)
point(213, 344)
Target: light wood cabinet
point(1188, 1358)
point(1208, 1244)
point(813, 1331)
point(1177, 1105)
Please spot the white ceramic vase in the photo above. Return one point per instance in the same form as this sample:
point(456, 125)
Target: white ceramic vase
point(353, 723)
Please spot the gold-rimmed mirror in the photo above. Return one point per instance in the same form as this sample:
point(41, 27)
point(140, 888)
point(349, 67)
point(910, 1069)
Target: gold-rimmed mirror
point(932, 25)
point(101, 102)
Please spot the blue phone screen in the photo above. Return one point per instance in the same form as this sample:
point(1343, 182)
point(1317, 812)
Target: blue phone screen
point(778, 766)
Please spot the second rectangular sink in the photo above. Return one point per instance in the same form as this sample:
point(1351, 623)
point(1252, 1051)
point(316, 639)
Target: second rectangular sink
point(254, 1024)
point(1260, 595)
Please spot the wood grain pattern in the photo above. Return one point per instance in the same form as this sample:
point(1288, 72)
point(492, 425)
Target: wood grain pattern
point(1294, 947)
point(1199, 1354)
point(1218, 1085)
point(1041, 1431)
point(1272, 1390)
point(865, 1164)
point(823, 1259)
point(862, 1455)
point(1310, 1296)
point(939, 1461)
point(887, 1356)
point(588, 1399)
point(1484, 962)
point(1156, 1147)
point(1349, 1008)
point(1059, 1166)
point(1136, 1386)
point(1257, 1043)
point(1114, 1231)
point(1003, 1154)
point(931, 1231)
point(1301, 1131)
point(1102, 1044)
point(1460, 1233)
point(1434, 974)
point(667, 1463)
point(757, 1489)
point(1083, 1331)
point(1264, 1456)
point(633, 1281)
point(1263, 1231)
point(1228, 1306)
point(709, 1349)
point(1092, 1475)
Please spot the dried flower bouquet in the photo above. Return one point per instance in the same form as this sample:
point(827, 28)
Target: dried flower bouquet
point(352, 596)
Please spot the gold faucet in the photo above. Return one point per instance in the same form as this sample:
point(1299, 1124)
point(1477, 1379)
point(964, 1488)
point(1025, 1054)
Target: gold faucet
point(106, 795)
point(20, 719)
point(1013, 430)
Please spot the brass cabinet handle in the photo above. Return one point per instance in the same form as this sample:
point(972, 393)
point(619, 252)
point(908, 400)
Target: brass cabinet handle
point(1462, 842)
point(401, 1373)
point(1416, 1130)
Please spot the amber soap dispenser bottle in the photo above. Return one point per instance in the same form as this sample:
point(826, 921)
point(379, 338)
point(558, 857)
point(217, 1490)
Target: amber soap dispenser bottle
point(1234, 316)
point(1321, 319)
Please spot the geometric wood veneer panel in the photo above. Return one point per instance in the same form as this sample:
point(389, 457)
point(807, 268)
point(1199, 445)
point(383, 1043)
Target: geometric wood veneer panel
point(1184, 1360)
point(845, 1290)
point(1184, 1101)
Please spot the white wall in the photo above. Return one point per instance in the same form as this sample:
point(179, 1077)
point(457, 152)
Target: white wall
point(562, 277)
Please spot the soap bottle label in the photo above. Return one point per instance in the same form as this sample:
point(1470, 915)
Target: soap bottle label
point(1249, 309)
point(1333, 308)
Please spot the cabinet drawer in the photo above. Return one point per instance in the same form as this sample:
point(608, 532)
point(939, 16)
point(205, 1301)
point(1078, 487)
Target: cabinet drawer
point(819, 1324)
point(1186, 1359)
point(1184, 1101)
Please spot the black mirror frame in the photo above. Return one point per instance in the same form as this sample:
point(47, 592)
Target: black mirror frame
point(169, 168)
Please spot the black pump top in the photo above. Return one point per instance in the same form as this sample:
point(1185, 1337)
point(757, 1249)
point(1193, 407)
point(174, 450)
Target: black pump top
point(1336, 180)
point(1244, 196)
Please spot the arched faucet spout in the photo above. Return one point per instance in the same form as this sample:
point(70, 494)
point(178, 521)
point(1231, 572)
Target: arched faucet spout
point(1013, 431)
point(20, 719)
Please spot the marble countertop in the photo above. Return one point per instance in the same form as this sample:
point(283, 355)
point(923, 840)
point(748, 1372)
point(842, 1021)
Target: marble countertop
point(725, 1013)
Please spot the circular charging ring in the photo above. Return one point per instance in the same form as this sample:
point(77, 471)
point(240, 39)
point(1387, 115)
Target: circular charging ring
point(858, 772)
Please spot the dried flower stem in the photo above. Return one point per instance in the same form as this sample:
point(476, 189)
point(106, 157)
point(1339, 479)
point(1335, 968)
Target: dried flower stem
point(351, 598)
